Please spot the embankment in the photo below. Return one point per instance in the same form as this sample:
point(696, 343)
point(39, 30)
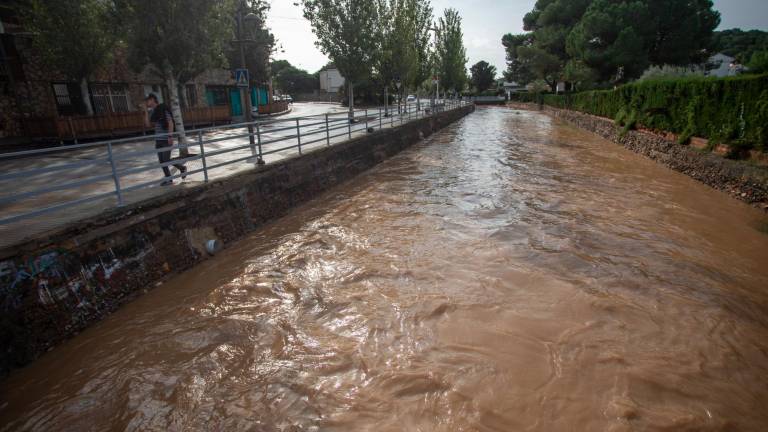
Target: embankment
point(58, 284)
point(741, 179)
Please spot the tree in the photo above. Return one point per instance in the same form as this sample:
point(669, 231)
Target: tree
point(607, 39)
point(758, 63)
point(74, 37)
point(681, 31)
point(177, 40)
point(740, 44)
point(483, 76)
point(518, 69)
point(260, 43)
point(544, 65)
point(291, 79)
point(450, 53)
point(346, 32)
point(403, 56)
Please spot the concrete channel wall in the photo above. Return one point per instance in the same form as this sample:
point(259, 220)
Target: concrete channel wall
point(740, 179)
point(58, 284)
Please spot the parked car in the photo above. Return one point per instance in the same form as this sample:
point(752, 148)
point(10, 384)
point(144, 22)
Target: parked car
point(410, 98)
point(288, 98)
point(276, 98)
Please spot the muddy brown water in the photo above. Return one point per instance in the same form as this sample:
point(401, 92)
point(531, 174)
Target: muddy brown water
point(510, 273)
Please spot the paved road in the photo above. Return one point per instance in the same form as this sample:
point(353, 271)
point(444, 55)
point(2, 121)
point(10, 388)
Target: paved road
point(137, 164)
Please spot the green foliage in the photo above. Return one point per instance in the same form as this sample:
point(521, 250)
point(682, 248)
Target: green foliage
point(450, 53)
point(179, 40)
point(75, 37)
point(617, 39)
point(347, 33)
point(483, 75)
point(732, 110)
point(404, 35)
point(258, 51)
point(759, 62)
point(518, 69)
point(291, 79)
point(607, 40)
point(669, 72)
point(740, 44)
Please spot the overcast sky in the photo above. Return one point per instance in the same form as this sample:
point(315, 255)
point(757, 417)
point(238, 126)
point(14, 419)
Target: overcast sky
point(484, 23)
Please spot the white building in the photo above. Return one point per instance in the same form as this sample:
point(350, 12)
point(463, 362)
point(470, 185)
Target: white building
point(721, 65)
point(331, 80)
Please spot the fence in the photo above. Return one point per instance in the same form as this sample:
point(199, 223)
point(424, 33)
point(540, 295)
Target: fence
point(48, 181)
point(79, 127)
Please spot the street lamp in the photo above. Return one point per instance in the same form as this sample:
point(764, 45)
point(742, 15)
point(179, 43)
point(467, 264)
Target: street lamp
point(398, 84)
point(242, 18)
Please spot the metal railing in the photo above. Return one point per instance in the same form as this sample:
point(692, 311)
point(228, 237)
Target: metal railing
point(38, 182)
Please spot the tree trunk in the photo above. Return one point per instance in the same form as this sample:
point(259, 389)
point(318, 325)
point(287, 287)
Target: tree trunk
point(351, 88)
point(86, 96)
point(178, 120)
point(386, 102)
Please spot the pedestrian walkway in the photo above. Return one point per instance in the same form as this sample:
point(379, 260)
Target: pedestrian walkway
point(88, 170)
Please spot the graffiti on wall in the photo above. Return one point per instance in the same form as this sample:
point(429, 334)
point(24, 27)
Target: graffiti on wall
point(60, 278)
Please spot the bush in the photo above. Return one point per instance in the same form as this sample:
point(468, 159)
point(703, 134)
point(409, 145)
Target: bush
point(733, 110)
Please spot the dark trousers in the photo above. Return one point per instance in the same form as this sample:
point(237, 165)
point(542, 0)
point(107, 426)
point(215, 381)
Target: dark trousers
point(165, 156)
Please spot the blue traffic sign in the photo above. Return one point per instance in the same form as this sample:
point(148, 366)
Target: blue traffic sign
point(242, 77)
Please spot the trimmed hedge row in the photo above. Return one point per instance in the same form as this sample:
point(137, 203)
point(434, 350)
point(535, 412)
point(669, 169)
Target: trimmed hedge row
point(726, 110)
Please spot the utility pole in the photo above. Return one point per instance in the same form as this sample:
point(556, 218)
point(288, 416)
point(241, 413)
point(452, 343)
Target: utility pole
point(246, 92)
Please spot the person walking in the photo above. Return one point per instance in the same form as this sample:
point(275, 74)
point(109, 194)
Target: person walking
point(157, 115)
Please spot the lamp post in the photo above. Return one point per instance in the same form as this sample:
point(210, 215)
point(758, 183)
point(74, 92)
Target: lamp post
point(246, 92)
point(398, 84)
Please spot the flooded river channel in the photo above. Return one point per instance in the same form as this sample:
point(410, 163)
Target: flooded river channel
point(510, 273)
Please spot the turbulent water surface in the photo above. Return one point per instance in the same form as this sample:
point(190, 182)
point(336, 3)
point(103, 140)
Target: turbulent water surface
point(510, 273)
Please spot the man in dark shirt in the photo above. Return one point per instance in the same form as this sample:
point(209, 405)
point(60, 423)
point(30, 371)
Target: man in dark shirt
point(162, 120)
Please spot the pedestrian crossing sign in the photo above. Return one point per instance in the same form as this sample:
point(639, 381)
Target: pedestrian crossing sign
point(241, 77)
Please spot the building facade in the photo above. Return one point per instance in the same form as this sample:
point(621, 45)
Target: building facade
point(37, 103)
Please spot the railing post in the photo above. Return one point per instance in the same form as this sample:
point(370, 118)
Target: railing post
point(350, 126)
point(202, 154)
point(119, 193)
point(298, 134)
point(380, 127)
point(327, 131)
point(258, 143)
point(366, 119)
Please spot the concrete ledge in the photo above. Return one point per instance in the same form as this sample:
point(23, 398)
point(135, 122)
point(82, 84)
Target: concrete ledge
point(742, 180)
point(58, 284)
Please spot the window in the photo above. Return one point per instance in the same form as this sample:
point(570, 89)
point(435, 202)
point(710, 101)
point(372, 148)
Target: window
point(69, 99)
point(217, 96)
point(110, 98)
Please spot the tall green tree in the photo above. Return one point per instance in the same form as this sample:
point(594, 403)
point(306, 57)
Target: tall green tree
point(608, 39)
point(483, 75)
point(347, 32)
point(681, 31)
point(403, 55)
point(177, 40)
point(518, 68)
point(73, 37)
point(450, 53)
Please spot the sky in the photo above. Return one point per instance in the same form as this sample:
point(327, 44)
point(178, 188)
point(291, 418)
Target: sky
point(484, 23)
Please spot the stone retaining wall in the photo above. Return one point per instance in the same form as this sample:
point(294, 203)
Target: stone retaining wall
point(740, 179)
point(58, 284)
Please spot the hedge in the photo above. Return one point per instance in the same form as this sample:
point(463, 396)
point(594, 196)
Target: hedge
point(732, 110)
